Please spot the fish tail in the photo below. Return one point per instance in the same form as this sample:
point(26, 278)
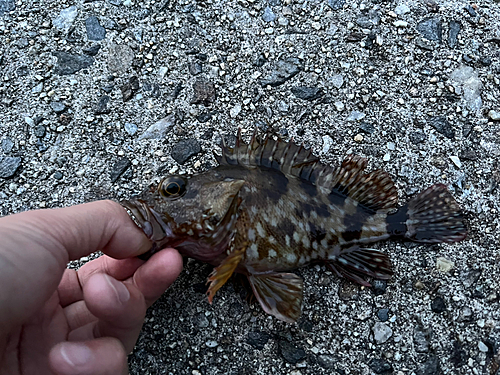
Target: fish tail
point(353, 263)
point(433, 216)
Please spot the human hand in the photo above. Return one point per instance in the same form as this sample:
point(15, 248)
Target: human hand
point(59, 321)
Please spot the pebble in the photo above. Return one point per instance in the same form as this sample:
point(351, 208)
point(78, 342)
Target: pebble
point(431, 28)
point(444, 265)
point(336, 4)
point(327, 143)
point(358, 138)
point(57, 107)
point(102, 105)
point(441, 124)
point(65, 19)
point(470, 277)
point(130, 128)
point(356, 116)
point(92, 50)
point(381, 332)
point(39, 131)
point(195, 68)
point(400, 23)
point(235, 111)
point(466, 82)
point(268, 15)
point(337, 80)
point(307, 93)
point(130, 88)
point(119, 168)
point(482, 347)
point(95, 31)
point(383, 315)
point(381, 366)
point(327, 361)
point(494, 115)
point(429, 367)
point(454, 30)
point(285, 69)
point(379, 287)
point(203, 92)
point(421, 339)
point(184, 149)
point(200, 320)
point(401, 9)
point(456, 161)
point(212, 343)
point(69, 64)
point(339, 106)
point(120, 58)
point(58, 175)
point(204, 117)
point(7, 144)
point(367, 128)
point(438, 305)
point(9, 166)
point(159, 129)
point(291, 353)
point(258, 339)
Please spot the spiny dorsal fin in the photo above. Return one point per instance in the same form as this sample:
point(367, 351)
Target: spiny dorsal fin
point(374, 190)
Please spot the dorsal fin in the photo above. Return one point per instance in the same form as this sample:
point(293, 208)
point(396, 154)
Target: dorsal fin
point(374, 190)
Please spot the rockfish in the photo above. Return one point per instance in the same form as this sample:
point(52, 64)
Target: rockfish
point(271, 206)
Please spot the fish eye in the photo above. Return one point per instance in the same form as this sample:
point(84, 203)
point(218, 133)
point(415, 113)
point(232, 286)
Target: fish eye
point(173, 187)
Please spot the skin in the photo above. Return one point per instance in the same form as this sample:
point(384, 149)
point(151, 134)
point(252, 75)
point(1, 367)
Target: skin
point(59, 321)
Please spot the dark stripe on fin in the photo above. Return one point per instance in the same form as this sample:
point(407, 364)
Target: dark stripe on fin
point(353, 263)
point(433, 216)
point(279, 294)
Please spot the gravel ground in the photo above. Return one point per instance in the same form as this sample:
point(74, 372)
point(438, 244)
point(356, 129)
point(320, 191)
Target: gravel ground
point(101, 98)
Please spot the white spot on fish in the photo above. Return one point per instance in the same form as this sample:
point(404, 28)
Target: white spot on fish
point(287, 240)
point(254, 209)
point(251, 234)
point(271, 239)
point(260, 230)
point(296, 236)
point(252, 251)
point(190, 232)
point(291, 258)
point(274, 221)
point(272, 253)
point(324, 242)
point(315, 245)
point(306, 242)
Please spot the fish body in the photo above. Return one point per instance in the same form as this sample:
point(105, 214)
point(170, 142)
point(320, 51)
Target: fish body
point(271, 207)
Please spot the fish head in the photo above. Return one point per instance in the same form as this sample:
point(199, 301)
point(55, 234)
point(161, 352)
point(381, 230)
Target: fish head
point(194, 210)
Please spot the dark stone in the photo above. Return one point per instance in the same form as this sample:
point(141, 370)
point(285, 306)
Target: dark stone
point(204, 117)
point(177, 91)
point(9, 166)
point(354, 37)
point(459, 355)
point(92, 50)
point(336, 4)
point(102, 105)
point(94, 29)
point(380, 366)
point(470, 277)
point(7, 144)
point(379, 287)
point(441, 124)
point(367, 128)
point(119, 168)
point(383, 315)
point(472, 12)
point(260, 61)
point(485, 60)
point(200, 320)
point(327, 361)
point(306, 325)
point(202, 56)
point(431, 28)
point(184, 149)
point(203, 92)
point(438, 305)
point(290, 352)
point(195, 68)
point(58, 175)
point(454, 29)
point(429, 367)
point(469, 154)
point(108, 89)
point(70, 64)
point(424, 44)
point(7, 6)
point(307, 93)
point(130, 88)
point(152, 89)
point(417, 137)
point(39, 131)
point(57, 107)
point(22, 71)
point(421, 338)
point(285, 69)
point(258, 339)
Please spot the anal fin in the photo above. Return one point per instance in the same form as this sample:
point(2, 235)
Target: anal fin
point(353, 263)
point(223, 272)
point(279, 294)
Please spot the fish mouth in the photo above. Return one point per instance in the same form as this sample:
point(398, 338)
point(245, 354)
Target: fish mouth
point(150, 221)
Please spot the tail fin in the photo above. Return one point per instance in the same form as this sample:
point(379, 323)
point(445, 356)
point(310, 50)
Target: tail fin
point(433, 216)
point(354, 262)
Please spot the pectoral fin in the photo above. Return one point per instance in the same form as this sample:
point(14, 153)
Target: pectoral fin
point(279, 294)
point(223, 272)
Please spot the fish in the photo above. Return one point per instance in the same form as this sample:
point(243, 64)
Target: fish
point(271, 206)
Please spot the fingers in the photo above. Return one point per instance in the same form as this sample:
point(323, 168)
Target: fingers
point(104, 356)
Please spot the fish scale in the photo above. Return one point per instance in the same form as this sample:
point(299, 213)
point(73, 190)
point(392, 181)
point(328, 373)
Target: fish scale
point(271, 206)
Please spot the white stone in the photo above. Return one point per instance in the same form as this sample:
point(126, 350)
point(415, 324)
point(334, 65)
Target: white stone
point(381, 332)
point(444, 265)
point(65, 19)
point(400, 23)
point(327, 143)
point(235, 111)
point(456, 161)
point(401, 9)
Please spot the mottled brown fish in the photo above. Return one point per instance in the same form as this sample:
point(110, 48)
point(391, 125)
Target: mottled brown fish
point(271, 206)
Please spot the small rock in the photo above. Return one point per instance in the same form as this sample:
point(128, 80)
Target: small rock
point(417, 137)
point(212, 343)
point(456, 161)
point(380, 366)
point(381, 332)
point(339, 106)
point(444, 265)
point(258, 339)
point(94, 29)
point(421, 338)
point(159, 129)
point(438, 305)
point(65, 19)
point(465, 314)
point(336, 4)
point(290, 352)
point(441, 124)
point(92, 50)
point(120, 58)
point(7, 144)
point(204, 117)
point(39, 131)
point(402, 9)
point(285, 69)
point(454, 30)
point(184, 149)
point(130, 88)
point(431, 28)
point(482, 347)
point(195, 68)
point(235, 111)
point(307, 93)
point(57, 107)
point(379, 287)
point(470, 277)
point(367, 128)
point(466, 81)
point(102, 105)
point(130, 128)
point(203, 92)
point(429, 367)
point(383, 315)
point(337, 80)
point(327, 361)
point(70, 64)
point(119, 168)
point(200, 320)
point(356, 116)
point(268, 15)
point(58, 175)
point(327, 143)
point(494, 115)
point(9, 166)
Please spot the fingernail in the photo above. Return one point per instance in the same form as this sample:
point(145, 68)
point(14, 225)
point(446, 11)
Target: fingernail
point(76, 354)
point(121, 290)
